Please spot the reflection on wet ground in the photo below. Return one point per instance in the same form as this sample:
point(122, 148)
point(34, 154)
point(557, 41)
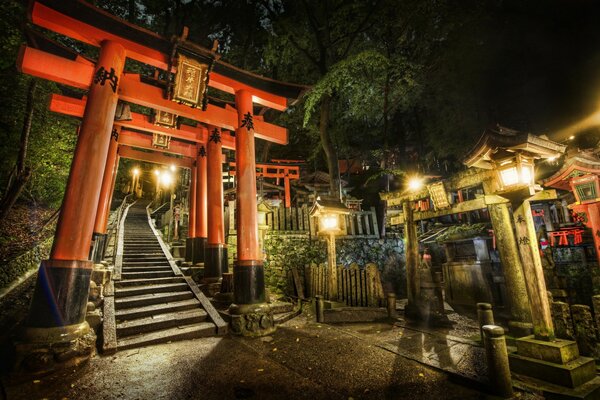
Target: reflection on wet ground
point(452, 348)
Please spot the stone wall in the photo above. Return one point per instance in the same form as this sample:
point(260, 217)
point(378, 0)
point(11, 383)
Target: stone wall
point(19, 266)
point(284, 252)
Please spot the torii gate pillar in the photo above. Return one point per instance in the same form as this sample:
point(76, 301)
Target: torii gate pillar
point(56, 321)
point(110, 172)
point(250, 314)
point(189, 241)
point(215, 252)
point(199, 241)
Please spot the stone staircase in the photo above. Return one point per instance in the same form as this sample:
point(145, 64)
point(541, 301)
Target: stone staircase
point(153, 302)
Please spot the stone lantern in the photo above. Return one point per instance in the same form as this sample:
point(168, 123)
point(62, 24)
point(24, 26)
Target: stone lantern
point(510, 156)
point(329, 214)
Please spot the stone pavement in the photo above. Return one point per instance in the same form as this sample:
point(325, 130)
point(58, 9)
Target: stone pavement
point(455, 349)
point(302, 360)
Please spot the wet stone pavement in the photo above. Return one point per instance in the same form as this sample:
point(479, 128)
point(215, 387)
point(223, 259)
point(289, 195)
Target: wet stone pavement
point(302, 360)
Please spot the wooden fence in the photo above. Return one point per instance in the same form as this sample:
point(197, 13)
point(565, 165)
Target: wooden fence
point(359, 224)
point(358, 287)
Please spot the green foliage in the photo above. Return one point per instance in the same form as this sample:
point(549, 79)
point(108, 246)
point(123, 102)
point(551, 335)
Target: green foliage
point(465, 231)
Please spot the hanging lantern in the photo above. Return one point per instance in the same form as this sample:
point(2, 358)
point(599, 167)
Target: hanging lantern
point(166, 119)
point(161, 140)
point(191, 81)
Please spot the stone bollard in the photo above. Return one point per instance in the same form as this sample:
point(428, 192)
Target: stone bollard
point(497, 361)
point(584, 330)
point(596, 304)
point(319, 308)
point(561, 316)
point(391, 305)
point(485, 316)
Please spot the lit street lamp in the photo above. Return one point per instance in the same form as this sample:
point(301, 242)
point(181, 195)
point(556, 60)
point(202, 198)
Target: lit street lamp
point(135, 172)
point(157, 174)
point(331, 222)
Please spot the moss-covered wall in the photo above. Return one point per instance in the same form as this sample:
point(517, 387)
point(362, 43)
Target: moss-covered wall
point(285, 252)
point(19, 266)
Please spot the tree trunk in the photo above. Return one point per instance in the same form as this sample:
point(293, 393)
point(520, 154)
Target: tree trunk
point(22, 173)
point(330, 153)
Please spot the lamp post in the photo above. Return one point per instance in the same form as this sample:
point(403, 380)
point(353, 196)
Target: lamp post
point(329, 213)
point(510, 157)
point(330, 224)
point(157, 174)
point(166, 180)
point(516, 182)
point(134, 179)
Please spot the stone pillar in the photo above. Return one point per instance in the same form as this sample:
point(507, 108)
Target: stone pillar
point(496, 356)
point(563, 324)
point(99, 235)
point(585, 331)
point(250, 315)
point(543, 328)
point(215, 253)
point(411, 246)
point(332, 275)
point(189, 241)
point(512, 268)
point(201, 222)
point(57, 315)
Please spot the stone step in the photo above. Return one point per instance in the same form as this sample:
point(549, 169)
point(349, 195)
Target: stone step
point(151, 298)
point(145, 289)
point(154, 309)
point(145, 275)
point(156, 258)
point(147, 268)
point(203, 329)
point(160, 321)
point(163, 262)
point(153, 281)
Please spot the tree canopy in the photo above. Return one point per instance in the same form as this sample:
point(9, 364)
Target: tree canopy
point(402, 85)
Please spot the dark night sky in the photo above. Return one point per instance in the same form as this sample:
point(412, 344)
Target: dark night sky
point(544, 72)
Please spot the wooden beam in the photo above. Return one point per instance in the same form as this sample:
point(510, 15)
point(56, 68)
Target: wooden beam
point(74, 107)
point(132, 89)
point(469, 178)
point(154, 157)
point(143, 141)
point(54, 68)
point(273, 171)
point(146, 47)
point(465, 206)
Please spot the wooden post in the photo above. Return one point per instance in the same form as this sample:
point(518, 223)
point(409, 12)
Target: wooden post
point(215, 253)
point(201, 210)
point(189, 241)
point(61, 293)
point(99, 235)
point(543, 328)
point(248, 272)
point(411, 246)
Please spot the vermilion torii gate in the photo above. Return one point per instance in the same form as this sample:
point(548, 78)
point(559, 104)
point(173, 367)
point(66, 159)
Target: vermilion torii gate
point(59, 304)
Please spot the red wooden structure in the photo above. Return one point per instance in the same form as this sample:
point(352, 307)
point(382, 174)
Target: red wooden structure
point(60, 298)
point(277, 171)
point(580, 175)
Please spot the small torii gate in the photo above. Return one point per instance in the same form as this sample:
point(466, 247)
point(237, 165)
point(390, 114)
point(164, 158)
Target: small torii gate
point(277, 171)
point(59, 305)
